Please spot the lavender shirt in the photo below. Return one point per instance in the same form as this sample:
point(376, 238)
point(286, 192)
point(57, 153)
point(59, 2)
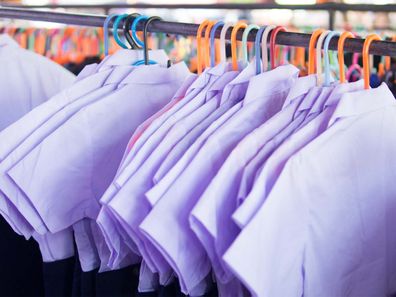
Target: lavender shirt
point(182, 195)
point(333, 203)
point(96, 139)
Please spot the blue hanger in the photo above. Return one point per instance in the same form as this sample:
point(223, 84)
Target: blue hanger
point(146, 60)
point(134, 29)
point(244, 41)
point(115, 29)
point(212, 43)
point(106, 32)
point(326, 56)
point(257, 49)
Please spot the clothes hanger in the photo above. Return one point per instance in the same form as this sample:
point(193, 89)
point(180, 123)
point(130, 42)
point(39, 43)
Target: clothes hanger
point(149, 20)
point(127, 25)
point(106, 32)
point(223, 54)
point(326, 57)
point(257, 44)
point(365, 54)
point(212, 45)
point(206, 51)
point(264, 47)
point(244, 41)
point(234, 53)
point(273, 44)
point(319, 70)
point(115, 30)
point(312, 53)
point(340, 49)
point(200, 49)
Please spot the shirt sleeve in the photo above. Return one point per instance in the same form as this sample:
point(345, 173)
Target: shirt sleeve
point(63, 158)
point(268, 254)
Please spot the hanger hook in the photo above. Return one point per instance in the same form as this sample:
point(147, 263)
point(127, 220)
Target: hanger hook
point(273, 44)
point(340, 49)
point(199, 45)
point(134, 29)
point(115, 30)
point(264, 46)
point(206, 44)
point(326, 56)
point(311, 53)
point(127, 25)
point(244, 41)
point(318, 56)
point(234, 32)
point(106, 32)
point(145, 38)
point(212, 45)
point(223, 33)
point(365, 54)
point(257, 44)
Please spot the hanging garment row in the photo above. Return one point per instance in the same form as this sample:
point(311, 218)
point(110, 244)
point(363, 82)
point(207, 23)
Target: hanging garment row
point(245, 179)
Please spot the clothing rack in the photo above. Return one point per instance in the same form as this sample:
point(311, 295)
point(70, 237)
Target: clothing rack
point(381, 48)
point(331, 8)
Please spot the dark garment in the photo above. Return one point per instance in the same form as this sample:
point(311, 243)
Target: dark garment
point(58, 278)
point(117, 283)
point(20, 264)
point(84, 283)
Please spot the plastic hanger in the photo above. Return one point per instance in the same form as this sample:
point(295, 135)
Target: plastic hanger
point(223, 33)
point(319, 44)
point(134, 29)
point(273, 44)
point(340, 49)
point(106, 32)
point(311, 54)
point(206, 52)
point(264, 47)
point(234, 54)
point(115, 30)
point(127, 25)
point(257, 44)
point(212, 45)
point(146, 60)
point(365, 54)
point(326, 56)
point(199, 45)
point(244, 41)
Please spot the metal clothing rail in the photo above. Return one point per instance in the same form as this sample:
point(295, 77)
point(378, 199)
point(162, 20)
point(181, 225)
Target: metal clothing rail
point(381, 48)
point(330, 8)
point(234, 6)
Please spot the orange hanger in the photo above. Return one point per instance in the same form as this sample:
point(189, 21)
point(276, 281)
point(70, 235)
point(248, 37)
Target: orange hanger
point(207, 44)
point(340, 49)
point(199, 45)
point(234, 32)
point(273, 44)
point(311, 56)
point(366, 62)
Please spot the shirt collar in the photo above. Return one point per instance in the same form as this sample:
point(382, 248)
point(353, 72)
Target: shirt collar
point(300, 87)
point(7, 40)
point(344, 88)
point(277, 80)
point(319, 103)
point(203, 80)
point(309, 99)
point(361, 102)
point(125, 57)
point(237, 87)
point(155, 74)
